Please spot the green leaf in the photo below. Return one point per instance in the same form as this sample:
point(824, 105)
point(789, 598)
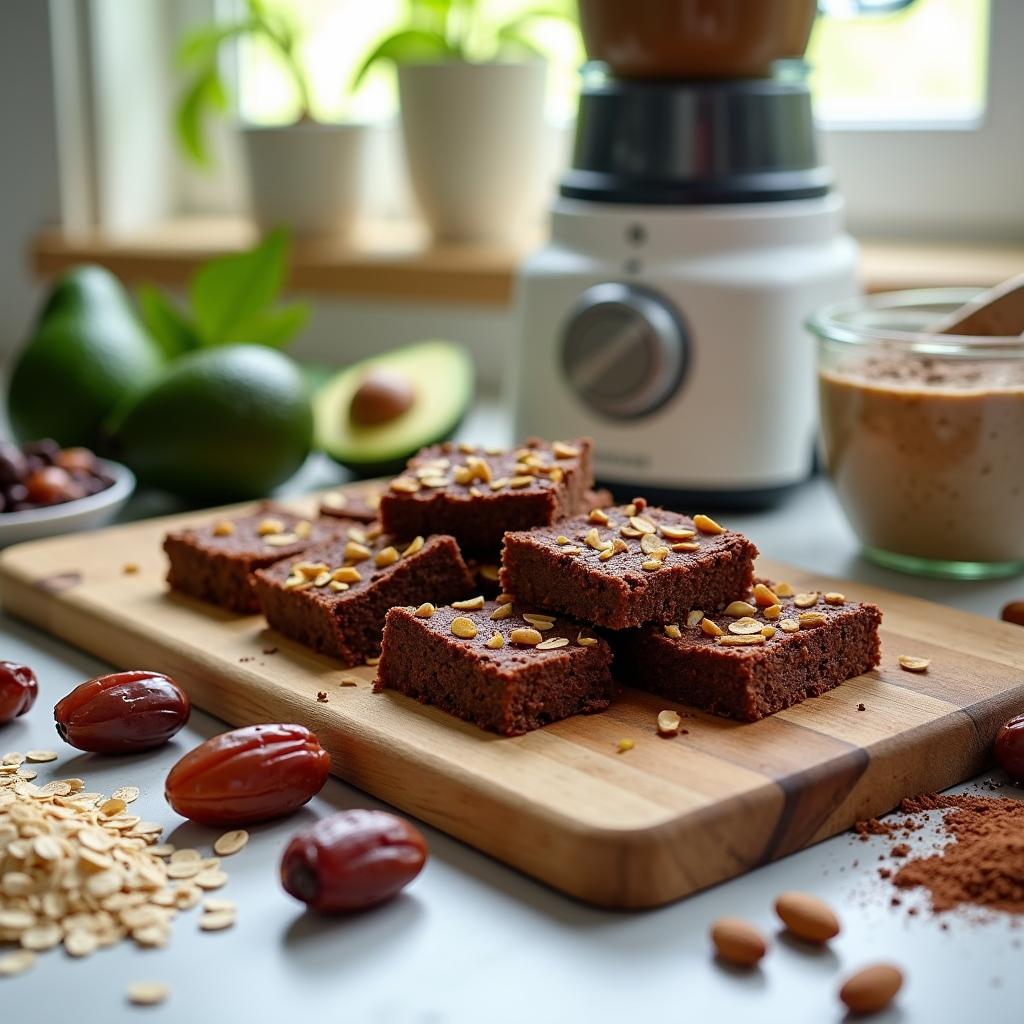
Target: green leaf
point(206, 94)
point(512, 38)
point(275, 328)
point(403, 47)
point(199, 47)
point(165, 322)
point(228, 290)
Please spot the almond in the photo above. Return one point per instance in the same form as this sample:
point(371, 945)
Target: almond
point(807, 917)
point(737, 942)
point(871, 989)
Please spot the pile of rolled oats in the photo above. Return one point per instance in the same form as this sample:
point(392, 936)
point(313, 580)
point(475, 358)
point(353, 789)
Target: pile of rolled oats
point(78, 869)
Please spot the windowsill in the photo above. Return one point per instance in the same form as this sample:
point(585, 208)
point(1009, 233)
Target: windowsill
point(394, 263)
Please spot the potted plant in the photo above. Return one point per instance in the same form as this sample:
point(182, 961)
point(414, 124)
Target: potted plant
point(305, 176)
point(471, 93)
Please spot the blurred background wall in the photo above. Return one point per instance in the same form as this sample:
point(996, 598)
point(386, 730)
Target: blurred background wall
point(29, 182)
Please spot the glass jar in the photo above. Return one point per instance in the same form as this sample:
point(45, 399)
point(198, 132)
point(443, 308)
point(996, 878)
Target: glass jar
point(924, 434)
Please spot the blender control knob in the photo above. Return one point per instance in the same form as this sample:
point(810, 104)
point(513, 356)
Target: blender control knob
point(624, 350)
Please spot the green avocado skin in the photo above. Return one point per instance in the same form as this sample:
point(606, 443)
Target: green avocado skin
point(86, 353)
point(222, 424)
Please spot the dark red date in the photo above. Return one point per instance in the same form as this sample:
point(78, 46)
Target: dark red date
point(1010, 748)
point(352, 860)
point(18, 690)
point(248, 775)
point(122, 713)
point(1014, 612)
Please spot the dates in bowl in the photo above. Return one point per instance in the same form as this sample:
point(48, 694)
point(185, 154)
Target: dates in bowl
point(46, 489)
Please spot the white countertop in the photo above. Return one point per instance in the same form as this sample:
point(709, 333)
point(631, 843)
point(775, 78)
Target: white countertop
point(473, 941)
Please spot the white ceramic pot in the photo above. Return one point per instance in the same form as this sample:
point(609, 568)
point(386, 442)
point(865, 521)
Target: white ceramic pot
point(305, 176)
point(475, 143)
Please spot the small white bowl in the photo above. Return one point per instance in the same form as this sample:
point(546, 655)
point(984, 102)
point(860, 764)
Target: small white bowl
point(81, 514)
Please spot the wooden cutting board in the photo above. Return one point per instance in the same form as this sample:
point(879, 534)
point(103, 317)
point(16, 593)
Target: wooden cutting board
point(636, 829)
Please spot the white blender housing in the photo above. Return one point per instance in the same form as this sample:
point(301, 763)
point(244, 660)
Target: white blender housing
point(694, 236)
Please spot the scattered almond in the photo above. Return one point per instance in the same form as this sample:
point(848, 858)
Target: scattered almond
point(464, 628)
point(525, 636)
point(672, 631)
point(807, 917)
point(147, 993)
point(668, 723)
point(472, 604)
point(807, 600)
point(496, 642)
point(911, 663)
point(230, 842)
point(425, 610)
point(707, 525)
point(737, 942)
point(710, 627)
point(871, 989)
point(740, 609)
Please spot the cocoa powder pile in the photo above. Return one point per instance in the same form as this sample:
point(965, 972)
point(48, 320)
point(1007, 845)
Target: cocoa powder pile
point(983, 863)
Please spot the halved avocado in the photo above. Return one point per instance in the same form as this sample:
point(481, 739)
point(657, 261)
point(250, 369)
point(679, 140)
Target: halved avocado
point(373, 415)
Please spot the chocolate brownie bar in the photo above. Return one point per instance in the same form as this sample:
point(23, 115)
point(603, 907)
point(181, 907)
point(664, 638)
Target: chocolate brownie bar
point(476, 494)
point(215, 561)
point(335, 597)
point(748, 662)
point(361, 504)
point(627, 565)
point(506, 674)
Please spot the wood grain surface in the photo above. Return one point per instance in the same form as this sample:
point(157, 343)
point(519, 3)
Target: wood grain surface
point(638, 829)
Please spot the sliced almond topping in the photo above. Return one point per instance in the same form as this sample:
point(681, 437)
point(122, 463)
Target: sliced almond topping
point(335, 500)
point(833, 597)
point(630, 509)
point(686, 545)
point(463, 475)
point(503, 611)
point(807, 600)
point(346, 573)
point(520, 481)
point(745, 626)
point(415, 545)
point(598, 515)
point(111, 807)
point(463, 627)
point(572, 551)
point(433, 482)
point(649, 543)
point(676, 532)
point(586, 641)
point(627, 531)
point(642, 524)
point(707, 525)
point(562, 539)
point(768, 632)
point(788, 625)
point(553, 644)
point(668, 723)
point(280, 540)
point(561, 450)
point(525, 636)
point(623, 745)
point(356, 533)
point(672, 631)
point(651, 565)
point(472, 604)
point(556, 475)
point(466, 448)
point(496, 485)
point(764, 597)
point(593, 540)
point(356, 552)
point(741, 641)
point(336, 587)
point(811, 620)
point(266, 527)
point(425, 610)
point(783, 589)
point(911, 663)
point(606, 554)
point(322, 579)
point(694, 618)
point(405, 485)
point(386, 556)
point(773, 611)
point(304, 529)
point(711, 628)
point(497, 641)
point(738, 609)
point(539, 619)
point(223, 528)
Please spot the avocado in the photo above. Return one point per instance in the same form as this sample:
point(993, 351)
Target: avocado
point(86, 353)
point(223, 423)
point(373, 415)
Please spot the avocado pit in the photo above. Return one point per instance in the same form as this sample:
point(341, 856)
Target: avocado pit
point(382, 397)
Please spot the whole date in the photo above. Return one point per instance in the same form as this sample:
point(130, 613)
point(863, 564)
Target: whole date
point(18, 690)
point(352, 860)
point(248, 775)
point(122, 713)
